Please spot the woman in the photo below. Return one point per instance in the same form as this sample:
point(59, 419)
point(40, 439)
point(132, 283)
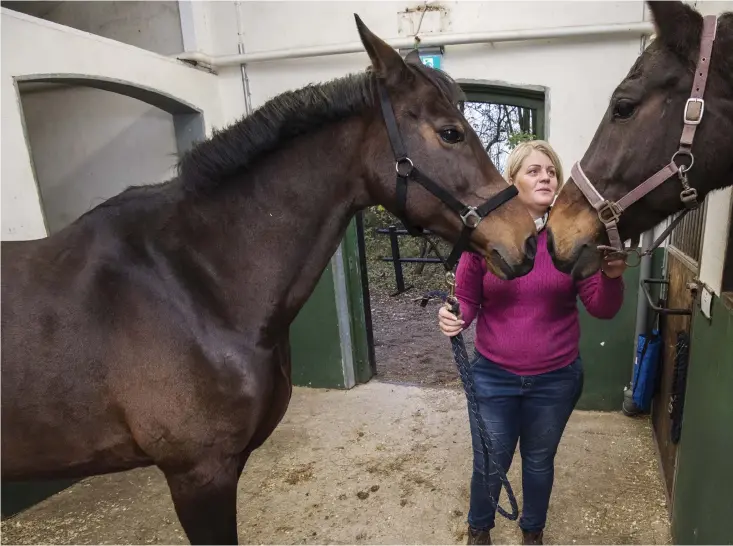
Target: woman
point(527, 369)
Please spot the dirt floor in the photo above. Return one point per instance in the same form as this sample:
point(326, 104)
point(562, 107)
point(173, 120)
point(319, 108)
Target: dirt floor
point(408, 345)
point(379, 464)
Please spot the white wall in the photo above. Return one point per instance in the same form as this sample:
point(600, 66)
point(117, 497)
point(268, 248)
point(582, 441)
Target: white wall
point(215, 28)
point(578, 86)
point(715, 239)
point(155, 26)
point(88, 145)
point(711, 7)
point(32, 46)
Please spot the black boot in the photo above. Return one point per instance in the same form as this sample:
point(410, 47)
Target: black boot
point(531, 537)
point(478, 537)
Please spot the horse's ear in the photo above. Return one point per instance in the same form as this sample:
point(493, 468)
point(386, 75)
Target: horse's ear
point(677, 26)
point(413, 57)
point(386, 62)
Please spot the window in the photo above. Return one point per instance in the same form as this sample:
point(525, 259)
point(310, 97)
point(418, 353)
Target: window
point(504, 116)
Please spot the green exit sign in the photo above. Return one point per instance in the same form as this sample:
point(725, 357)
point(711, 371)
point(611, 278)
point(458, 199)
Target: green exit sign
point(433, 61)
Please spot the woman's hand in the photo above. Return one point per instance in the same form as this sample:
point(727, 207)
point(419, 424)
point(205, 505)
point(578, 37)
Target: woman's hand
point(613, 268)
point(449, 324)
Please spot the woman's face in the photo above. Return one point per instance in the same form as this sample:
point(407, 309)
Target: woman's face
point(536, 181)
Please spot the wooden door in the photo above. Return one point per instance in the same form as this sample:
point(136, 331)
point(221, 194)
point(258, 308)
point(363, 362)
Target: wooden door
point(683, 257)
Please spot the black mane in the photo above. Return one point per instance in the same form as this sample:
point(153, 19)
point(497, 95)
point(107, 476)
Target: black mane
point(286, 116)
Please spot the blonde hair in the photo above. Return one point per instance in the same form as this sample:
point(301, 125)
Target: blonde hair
point(522, 151)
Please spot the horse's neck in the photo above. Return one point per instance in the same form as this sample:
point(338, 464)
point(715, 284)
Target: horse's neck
point(273, 235)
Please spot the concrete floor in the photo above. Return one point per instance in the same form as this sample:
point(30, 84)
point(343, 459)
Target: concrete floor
point(380, 464)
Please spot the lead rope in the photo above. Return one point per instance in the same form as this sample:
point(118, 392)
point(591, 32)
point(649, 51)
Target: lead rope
point(464, 369)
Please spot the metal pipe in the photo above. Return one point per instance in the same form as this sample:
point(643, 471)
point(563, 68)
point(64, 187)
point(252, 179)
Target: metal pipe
point(642, 317)
point(642, 305)
point(243, 67)
point(641, 28)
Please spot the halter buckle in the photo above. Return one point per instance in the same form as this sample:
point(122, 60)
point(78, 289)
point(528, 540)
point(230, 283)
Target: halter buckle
point(694, 109)
point(609, 212)
point(407, 163)
point(470, 217)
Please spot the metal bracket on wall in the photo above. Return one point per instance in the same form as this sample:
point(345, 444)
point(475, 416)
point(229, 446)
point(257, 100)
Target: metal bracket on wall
point(658, 309)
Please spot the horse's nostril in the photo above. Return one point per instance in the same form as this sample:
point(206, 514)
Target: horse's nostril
point(530, 247)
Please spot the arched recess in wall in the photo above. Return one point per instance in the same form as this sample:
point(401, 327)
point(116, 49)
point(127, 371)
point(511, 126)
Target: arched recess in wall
point(89, 138)
point(188, 120)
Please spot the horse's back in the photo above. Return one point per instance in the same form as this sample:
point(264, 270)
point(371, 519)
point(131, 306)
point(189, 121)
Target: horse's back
point(110, 363)
point(54, 368)
point(40, 282)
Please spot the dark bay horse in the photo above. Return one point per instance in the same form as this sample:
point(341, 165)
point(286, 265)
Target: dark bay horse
point(154, 329)
point(643, 129)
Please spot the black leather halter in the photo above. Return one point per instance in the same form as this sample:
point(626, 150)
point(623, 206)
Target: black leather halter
point(406, 170)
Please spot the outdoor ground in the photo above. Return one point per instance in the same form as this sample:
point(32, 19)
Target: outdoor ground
point(379, 464)
point(409, 347)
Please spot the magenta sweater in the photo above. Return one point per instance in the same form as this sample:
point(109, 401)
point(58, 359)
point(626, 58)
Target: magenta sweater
point(529, 325)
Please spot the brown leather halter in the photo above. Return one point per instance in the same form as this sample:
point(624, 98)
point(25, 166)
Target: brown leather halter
point(609, 212)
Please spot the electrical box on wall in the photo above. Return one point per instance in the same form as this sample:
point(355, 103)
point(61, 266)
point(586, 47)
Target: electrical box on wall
point(706, 301)
point(430, 56)
point(433, 61)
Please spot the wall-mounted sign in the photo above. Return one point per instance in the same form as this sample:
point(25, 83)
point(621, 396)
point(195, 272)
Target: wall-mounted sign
point(430, 56)
point(433, 61)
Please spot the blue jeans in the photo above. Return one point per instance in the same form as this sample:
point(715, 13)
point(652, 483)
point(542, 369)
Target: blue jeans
point(534, 408)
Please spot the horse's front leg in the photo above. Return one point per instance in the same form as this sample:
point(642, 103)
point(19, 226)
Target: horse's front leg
point(205, 498)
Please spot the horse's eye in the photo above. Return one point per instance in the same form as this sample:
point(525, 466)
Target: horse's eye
point(623, 109)
point(451, 136)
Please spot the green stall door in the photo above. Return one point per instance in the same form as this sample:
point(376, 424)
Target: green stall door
point(703, 488)
point(607, 350)
point(329, 342)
